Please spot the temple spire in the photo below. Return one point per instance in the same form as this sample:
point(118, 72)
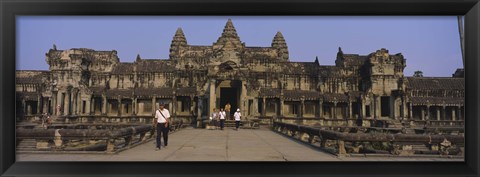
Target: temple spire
point(280, 45)
point(229, 35)
point(316, 60)
point(179, 38)
point(278, 41)
point(138, 58)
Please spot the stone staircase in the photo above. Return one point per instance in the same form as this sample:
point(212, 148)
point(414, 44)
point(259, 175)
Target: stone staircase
point(420, 148)
point(27, 145)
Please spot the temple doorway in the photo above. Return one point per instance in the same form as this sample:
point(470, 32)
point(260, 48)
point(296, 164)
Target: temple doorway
point(229, 92)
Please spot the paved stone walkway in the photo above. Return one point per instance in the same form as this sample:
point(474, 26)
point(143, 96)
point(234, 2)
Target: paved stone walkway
point(215, 145)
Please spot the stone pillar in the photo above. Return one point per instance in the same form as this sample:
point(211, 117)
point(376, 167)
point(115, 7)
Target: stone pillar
point(364, 108)
point(93, 106)
point(88, 106)
point(24, 107)
point(423, 113)
point(212, 97)
point(444, 113)
point(45, 105)
point(191, 105)
point(174, 106)
point(74, 103)
point(255, 106)
point(282, 103)
point(154, 104)
point(134, 106)
point(350, 109)
point(66, 109)
point(59, 102)
point(243, 96)
point(334, 110)
point(320, 108)
point(53, 106)
point(428, 112)
point(302, 110)
point(119, 106)
point(460, 113)
point(39, 100)
point(104, 105)
point(411, 111)
point(453, 114)
point(264, 103)
point(438, 113)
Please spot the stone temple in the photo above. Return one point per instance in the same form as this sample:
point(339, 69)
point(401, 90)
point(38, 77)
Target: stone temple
point(85, 85)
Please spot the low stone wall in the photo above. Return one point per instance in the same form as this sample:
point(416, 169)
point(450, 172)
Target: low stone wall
point(108, 138)
point(344, 142)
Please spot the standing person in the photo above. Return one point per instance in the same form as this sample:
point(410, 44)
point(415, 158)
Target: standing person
point(237, 116)
point(227, 109)
point(44, 120)
point(213, 122)
point(162, 116)
point(222, 115)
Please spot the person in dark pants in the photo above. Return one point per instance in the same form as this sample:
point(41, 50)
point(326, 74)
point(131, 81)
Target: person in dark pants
point(222, 115)
point(237, 116)
point(162, 116)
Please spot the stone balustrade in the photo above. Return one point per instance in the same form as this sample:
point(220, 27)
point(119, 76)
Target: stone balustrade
point(342, 143)
point(109, 138)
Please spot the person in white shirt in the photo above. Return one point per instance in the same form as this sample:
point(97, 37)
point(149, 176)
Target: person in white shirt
point(222, 115)
point(161, 122)
point(237, 116)
point(213, 122)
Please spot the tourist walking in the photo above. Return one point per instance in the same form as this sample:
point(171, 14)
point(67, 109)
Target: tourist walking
point(222, 116)
point(162, 120)
point(227, 109)
point(237, 116)
point(214, 117)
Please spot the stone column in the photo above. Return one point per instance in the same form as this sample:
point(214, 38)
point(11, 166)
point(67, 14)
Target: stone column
point(104, 105)
point(411, 111)
point(350, 109)
point(444, 112)
point(134, 106)
point(154, 104)
point(422, 113)
point(53, 106)
point(39, 99)
point(93, 106)
point(174, 106)
point(212, 97)
point(45, 105)
point(66, 108)
point(119, 106)
point(264, 103)
point(59, 102)
point(334, 110)
point(282, 103)
point(428, 112)
point(460, 113)
point(438, 113)
point(364, 108)
point(302, 110)
point(191, 105)
point(24, 107)
point(255, 106)
point(243, 96)
point(453, 114)
point(74, 103)
point(320, 108)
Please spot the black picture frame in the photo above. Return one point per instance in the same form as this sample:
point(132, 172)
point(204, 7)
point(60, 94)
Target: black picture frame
point(10, 8)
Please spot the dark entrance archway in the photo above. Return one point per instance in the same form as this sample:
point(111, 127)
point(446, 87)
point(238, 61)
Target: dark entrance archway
point(230, 93)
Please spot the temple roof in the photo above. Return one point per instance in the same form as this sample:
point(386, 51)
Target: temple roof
point(435, 83)
point(339, 97)
point(156, 65)
point(123, 68)
point(113, 93)
point(269, 92)
point(149, 92)
point(437, 101)
point(186, 91)
point(28, 96)
point(298, 94)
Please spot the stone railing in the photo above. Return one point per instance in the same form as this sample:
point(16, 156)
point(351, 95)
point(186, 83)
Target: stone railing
point(96, 137)
point(342, 143)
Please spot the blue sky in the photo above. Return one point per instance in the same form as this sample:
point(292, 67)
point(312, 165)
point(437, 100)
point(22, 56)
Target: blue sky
point(429, 43)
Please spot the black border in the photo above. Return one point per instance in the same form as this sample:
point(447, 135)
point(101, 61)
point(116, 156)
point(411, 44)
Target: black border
point(10, 8)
